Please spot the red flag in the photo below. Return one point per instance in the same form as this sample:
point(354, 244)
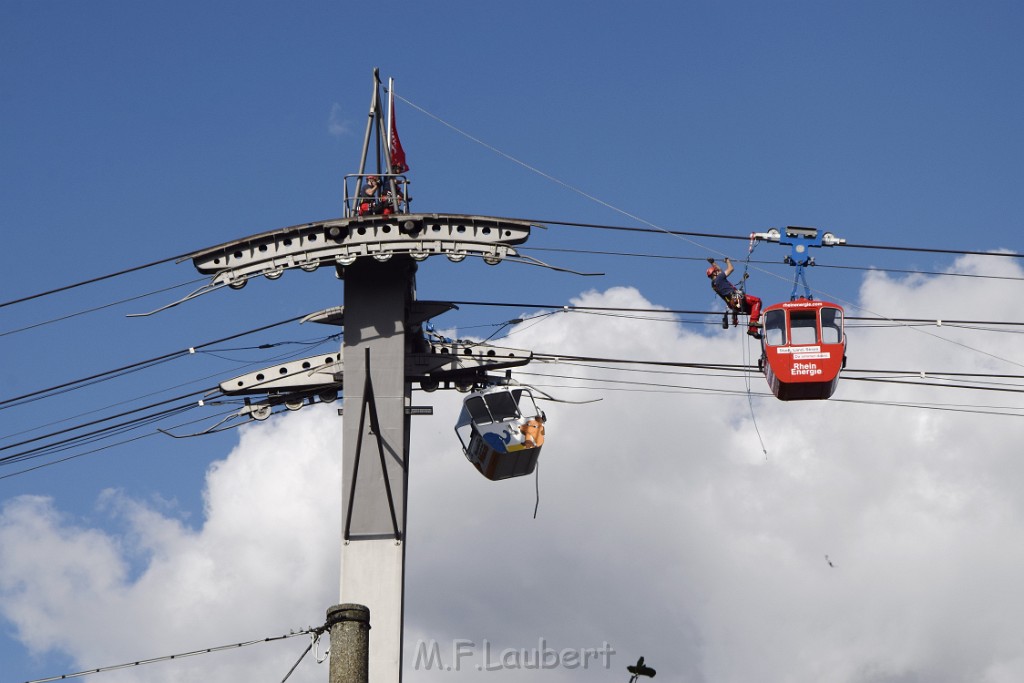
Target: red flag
point(398, 164)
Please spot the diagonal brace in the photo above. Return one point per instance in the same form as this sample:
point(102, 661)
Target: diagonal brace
point(370, 407)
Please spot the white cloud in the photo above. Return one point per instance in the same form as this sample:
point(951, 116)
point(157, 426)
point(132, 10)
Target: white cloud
point(262, 563)
point(663, 529)
point(337, 125)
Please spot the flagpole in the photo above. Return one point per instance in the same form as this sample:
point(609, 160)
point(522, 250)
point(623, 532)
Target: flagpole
point(391, 114)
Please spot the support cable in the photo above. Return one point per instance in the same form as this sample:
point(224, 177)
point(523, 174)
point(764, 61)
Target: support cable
point(589, 361)
point(92, 280)
point(90, 437)
point(536, 488)
point(653, 227)
point(98, 308)
point(219, 374)
point(746, 353)
point(659, 388)
point(682, 233)
point(92, 379)
point(747, 368)
point(312, 641)
point(95, 450)
point(167, 658)
point(676, 311)
point(686, 236)
point(825, 266)
point(893, 320)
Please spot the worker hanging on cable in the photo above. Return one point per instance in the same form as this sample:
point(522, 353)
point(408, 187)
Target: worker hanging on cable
point(735, 298)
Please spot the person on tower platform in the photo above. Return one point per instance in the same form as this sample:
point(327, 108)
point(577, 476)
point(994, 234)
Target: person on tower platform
point(735, 298)
point(370, 201)
point(391, 193)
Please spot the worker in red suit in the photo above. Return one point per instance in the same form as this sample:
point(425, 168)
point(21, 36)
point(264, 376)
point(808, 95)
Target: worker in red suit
point(735, 298)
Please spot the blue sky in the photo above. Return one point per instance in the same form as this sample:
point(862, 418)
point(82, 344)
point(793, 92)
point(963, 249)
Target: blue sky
point(133, 132)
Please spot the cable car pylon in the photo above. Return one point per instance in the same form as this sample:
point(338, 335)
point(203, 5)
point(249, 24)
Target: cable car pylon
point(375, 247)
point(803, 345)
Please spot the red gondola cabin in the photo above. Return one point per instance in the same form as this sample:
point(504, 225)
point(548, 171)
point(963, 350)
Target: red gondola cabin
point(803, 349)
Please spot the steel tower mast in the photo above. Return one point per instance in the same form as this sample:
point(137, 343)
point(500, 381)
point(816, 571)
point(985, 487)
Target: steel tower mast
point(384, 351)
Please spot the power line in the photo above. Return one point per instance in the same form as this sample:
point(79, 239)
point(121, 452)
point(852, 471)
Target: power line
point(136, 422)
point(181, 655)
point(653, 228)
point(550, 356)
point(686, 235)
point(733, 367)
point(95, 422)
point(110, 430)
point(998, 411)
point(100, 449)
point(132, 367)
point(595, 226)
point(899, 377)
point(676, 311)
point(662, 387)
point(746, 238)
point(66, 386)
point(906, 271)
point(938, 322)
point(92, 280)
point(242, 364)
point(211, 394)
point(98, 308)
point(95, 435)
point(592, 362)
point(934, 384)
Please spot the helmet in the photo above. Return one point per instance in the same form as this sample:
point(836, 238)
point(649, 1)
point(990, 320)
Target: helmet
point(711, 271)
point(372, 179)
